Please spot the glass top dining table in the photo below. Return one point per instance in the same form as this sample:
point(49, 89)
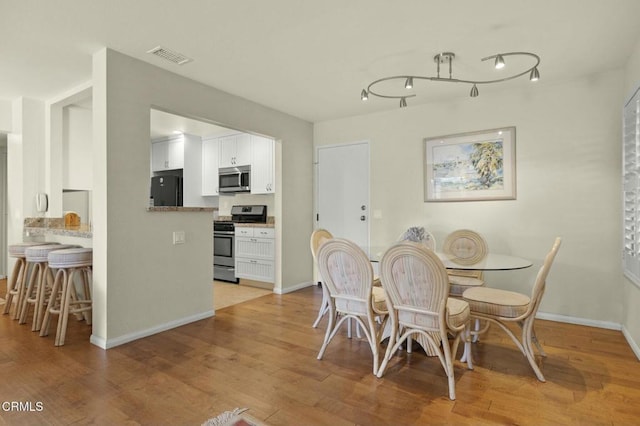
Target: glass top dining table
point(492, 262)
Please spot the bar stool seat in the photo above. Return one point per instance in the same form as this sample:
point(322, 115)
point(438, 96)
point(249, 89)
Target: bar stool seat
point(17, 282)
point(64, 300)
point(41, 275)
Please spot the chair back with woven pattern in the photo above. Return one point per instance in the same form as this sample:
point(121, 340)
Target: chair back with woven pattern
point(348, 275)
point(318, 237)
point(417, 285)
point(465, 246)
point(541, 279)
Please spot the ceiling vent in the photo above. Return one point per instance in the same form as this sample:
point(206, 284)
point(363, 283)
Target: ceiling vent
point(176, 58)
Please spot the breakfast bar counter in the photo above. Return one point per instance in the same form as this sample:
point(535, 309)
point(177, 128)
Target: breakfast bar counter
point(43, 226)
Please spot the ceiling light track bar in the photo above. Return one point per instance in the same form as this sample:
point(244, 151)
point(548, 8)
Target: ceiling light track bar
point(448, 57)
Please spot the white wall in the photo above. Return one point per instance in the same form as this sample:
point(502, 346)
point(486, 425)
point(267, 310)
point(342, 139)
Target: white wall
point(76, 148)
point(568, 175)
point(25, 166)
point(3, 205)
point(631, 319)
point(143, 283)
point(6, 107)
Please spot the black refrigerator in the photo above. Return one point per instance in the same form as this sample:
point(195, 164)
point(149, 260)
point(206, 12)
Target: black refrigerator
point(166, 190)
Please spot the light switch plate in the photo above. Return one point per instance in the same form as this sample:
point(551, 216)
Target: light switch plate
point(178, 237)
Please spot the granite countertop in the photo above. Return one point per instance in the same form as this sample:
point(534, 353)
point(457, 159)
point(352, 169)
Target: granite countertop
point(181, 209)
point(271, 222)
point(54, 226)
point(255, 225)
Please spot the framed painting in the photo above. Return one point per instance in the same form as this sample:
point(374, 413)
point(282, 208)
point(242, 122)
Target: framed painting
point(471, 166)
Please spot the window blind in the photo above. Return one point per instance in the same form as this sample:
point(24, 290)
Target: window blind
point(631, 188)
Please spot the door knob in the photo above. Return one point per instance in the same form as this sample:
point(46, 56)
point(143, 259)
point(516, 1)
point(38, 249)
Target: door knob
point(362, 218)
point(363, 207)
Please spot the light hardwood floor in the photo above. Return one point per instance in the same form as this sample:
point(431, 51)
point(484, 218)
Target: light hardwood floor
point(227, 294)
point(261, 354)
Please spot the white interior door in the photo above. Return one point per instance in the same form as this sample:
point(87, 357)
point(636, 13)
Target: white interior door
point(343, 191)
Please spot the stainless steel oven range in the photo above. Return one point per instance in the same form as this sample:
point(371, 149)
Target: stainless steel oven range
point(223, 251)
point(224, 239)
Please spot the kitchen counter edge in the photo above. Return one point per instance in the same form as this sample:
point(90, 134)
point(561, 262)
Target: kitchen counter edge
point(181, 209)
point(31, 231)
point(255, 225)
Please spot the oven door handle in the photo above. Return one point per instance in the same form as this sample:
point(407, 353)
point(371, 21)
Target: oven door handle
point(223, 233)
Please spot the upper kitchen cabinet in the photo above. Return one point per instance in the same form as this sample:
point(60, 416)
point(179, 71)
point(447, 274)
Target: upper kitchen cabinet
point(167, 154)
point(263, 165)
point(210, 166)
point(235, 150)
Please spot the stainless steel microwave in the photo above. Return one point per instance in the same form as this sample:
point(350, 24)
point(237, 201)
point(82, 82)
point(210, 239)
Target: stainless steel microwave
point(234, 179)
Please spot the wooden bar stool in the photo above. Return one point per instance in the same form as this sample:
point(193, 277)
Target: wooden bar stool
point(64, 300)
point(40, 281)
point(18, 279)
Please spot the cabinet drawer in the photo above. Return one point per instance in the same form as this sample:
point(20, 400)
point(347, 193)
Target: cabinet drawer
point(255, 248)
point(245, 231)
point(258, 270)
point(264, 232)
point(242, 231)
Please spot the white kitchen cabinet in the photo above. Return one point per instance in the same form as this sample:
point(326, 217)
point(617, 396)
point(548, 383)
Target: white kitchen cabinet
point(210, 166)
point(235, 150)
point(255, 253)
point(167, 154)
point(262, 165)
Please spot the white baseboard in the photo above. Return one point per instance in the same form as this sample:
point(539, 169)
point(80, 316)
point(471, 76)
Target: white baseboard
point(591, 323)
point(112, 343)
point(634, 346)
point(293, 288)
point(579, 321)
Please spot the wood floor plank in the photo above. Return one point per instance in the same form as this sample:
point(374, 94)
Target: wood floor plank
point(261, 354)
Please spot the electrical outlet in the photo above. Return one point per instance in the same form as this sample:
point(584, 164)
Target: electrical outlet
point(178, 237)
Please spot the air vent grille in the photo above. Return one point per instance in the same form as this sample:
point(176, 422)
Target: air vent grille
point(169, 55)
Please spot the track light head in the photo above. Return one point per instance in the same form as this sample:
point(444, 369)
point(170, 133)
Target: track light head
point(403, 102)
point(535, 75)
point(474, 91)
point(499, 62)
point(364, 95)
point(409, 83)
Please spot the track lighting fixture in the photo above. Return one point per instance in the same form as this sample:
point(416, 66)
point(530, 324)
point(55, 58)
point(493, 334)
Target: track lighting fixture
point(447, 58)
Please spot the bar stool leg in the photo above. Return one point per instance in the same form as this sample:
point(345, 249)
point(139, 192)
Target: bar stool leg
point(65, 299)
point(14, 284)
point(21, 289)
point(41, 298)
point(87, 311)
point(28, 297)
point(53, 307)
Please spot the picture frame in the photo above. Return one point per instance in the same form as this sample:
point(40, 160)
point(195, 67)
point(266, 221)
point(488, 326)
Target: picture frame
point(474, 166)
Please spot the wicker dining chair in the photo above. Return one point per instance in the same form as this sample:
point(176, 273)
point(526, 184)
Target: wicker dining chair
point(465, 247)
point(419, 305)
point(318, 237)
point(502, 307)
point(418, 234)
point(348, 276)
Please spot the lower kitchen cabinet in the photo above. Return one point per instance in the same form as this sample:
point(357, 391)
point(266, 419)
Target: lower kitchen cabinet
point(255, 253)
